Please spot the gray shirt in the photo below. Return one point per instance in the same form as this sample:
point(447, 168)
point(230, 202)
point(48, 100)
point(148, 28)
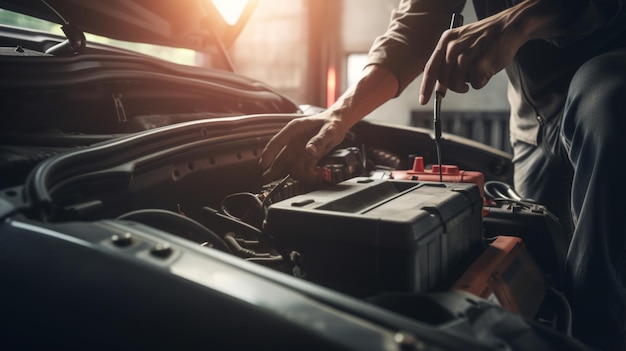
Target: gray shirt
point(540, 73)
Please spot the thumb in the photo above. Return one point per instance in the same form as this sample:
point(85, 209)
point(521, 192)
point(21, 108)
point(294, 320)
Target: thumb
point(315, 147)
point(320, 144)
point(328, 137)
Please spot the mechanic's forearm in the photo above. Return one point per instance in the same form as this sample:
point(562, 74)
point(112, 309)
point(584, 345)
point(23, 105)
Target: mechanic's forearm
point(376, 86)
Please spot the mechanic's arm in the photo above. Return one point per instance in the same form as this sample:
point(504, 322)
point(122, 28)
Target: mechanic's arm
point(472, 54)
point(395, 59)
point(299, 145)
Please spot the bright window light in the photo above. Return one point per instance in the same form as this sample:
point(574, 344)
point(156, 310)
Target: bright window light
point(230, 10)
point(356, 63)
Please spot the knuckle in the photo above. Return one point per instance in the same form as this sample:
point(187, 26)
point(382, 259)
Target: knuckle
point(446, 34)
point(479, 82)
point(316, 140)
point(294, 123)
point(462, 60)
point(428, 66)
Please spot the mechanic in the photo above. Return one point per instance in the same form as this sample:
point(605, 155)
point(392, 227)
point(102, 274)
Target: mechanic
point(566, 64)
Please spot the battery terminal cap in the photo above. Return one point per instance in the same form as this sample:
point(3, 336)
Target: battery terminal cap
point(446, 169)
point(418, 164)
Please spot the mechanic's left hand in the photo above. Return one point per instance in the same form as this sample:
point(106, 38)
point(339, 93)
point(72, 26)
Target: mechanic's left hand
point(297, 148)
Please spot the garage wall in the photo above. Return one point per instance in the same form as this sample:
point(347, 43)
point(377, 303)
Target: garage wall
point(273, 47)
point(290, 44)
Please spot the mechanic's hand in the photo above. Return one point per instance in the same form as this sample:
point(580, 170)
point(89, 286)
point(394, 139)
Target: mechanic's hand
point(297, 148)
point(471, 55)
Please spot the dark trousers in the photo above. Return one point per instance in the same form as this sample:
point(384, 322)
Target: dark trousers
point(576, 171)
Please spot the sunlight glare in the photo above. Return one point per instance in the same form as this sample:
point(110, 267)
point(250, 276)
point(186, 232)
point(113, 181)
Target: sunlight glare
point(230, 10)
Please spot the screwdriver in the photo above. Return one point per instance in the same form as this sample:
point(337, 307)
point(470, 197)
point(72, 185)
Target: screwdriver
point(440, 92)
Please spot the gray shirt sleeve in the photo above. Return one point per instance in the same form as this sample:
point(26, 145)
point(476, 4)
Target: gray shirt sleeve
point(413, 32)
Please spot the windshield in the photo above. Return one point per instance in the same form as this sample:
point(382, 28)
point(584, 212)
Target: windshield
point(176, 55)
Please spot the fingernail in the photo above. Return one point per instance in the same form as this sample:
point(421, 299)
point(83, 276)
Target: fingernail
point(422, 99)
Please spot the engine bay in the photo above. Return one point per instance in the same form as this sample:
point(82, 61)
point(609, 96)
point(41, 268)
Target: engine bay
point(190, 195)
point(200, 181)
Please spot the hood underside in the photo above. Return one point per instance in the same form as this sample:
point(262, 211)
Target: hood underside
point(192, 24)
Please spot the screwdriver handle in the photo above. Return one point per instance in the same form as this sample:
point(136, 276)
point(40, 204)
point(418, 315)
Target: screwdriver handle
point(456, 21)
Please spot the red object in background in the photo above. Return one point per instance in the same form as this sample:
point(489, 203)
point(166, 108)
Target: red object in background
point(451, 174)
point(331, 86)
point(506, 274)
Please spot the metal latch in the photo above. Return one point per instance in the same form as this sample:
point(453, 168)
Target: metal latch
point(119, 108)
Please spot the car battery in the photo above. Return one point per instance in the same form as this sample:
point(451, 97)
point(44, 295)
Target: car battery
point(365, 236)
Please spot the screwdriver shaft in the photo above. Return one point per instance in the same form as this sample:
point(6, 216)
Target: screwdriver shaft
point(440, 92)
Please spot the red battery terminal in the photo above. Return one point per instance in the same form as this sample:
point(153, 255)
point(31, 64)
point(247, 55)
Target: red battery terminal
point(450, 174)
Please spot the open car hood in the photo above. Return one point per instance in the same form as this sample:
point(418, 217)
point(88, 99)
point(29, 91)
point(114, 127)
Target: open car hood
point(191, 24)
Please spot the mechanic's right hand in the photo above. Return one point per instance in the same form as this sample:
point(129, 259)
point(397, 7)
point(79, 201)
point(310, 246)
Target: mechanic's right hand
point(297, 148)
